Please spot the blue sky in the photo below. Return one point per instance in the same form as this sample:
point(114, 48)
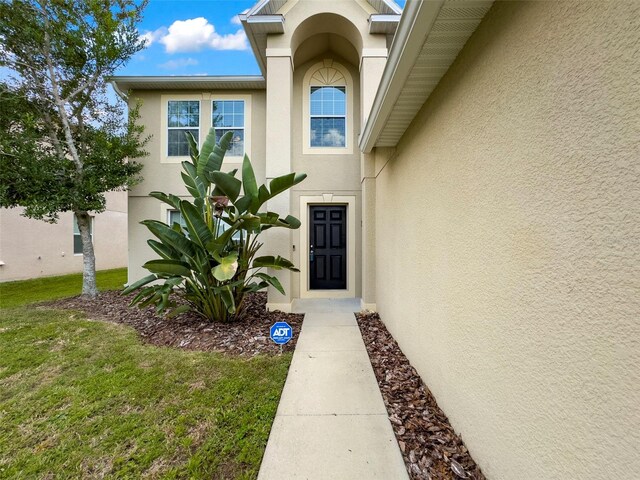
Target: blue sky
point(194, 37)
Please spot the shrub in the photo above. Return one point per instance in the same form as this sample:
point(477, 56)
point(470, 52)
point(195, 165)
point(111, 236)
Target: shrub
point(208, 264)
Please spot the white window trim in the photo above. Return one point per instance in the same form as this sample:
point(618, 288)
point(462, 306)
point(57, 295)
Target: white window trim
point(164, 124)
point(307, 149)
point(93, 232)
point(247, 121)
point(305, 203)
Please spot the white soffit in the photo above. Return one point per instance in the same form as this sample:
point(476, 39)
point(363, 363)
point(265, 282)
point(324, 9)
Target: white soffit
point(409, 82)
point(195, 82)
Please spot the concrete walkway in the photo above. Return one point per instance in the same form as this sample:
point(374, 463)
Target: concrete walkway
point(331, 422)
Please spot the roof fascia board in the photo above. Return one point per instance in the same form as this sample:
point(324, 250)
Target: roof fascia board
point(254, 44)
point(415, 24)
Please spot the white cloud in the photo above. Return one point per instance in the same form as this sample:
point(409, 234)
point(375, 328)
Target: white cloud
point(178, 63)
point(236, 20)
point(152, 37)
point(197, 33)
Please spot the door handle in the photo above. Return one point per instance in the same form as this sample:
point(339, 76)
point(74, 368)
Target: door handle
point(311, 253)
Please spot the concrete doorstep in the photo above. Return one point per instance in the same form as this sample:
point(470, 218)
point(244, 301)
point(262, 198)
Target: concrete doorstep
point(331, 422)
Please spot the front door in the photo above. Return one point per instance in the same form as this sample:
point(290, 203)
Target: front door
point(328, 247)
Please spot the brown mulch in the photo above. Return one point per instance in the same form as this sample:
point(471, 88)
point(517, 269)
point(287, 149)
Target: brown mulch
point(248, 337)
point(430, 447)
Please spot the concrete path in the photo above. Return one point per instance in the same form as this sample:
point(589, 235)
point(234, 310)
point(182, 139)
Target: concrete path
point(331, 422)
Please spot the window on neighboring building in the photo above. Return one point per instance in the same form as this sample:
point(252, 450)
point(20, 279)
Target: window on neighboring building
point(175, 217)
point(228, 116)
point(77, 239)
point(182, 116)
point(328, 111)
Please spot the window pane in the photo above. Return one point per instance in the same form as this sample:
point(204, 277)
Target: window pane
point(236, 148)
point(228, 113)
point(328, 132)
point(77, 244)
point(77, 239)
point(176, 217)
point(178, 145)
point(183, 113)
point(328, 101)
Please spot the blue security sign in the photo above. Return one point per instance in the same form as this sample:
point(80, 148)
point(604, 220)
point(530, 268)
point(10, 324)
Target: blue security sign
point(281, 332)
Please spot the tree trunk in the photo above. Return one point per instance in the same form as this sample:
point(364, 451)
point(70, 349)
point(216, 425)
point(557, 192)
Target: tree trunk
point(89, 288)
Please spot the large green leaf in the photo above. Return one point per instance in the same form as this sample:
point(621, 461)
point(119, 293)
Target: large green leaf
point(227, 268)
point(271, 280)
point(193, 146)
point(268, 218)
point(198, 230)
point(190, 169)
point(165, 251)
point(204, 162)
point(249, 179)
point(215, 159)
point(290, 222)
point(276, 262)
point(227, 298)
point(140, 283)
point(250, 223)
point(243, 203)
point(228, 184)
point(169, 199)
point(219, 243)
point(168, 267)
point(284, 182)
point(174, 239)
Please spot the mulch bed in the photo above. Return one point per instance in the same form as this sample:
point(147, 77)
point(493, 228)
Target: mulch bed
point(248, 337)
point(430, 447)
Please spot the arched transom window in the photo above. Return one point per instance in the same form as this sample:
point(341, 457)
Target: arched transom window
point(327, 108)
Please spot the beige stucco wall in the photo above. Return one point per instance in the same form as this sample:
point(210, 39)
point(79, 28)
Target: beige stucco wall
point(508, 241)
point(165, 177)
point(33, 248)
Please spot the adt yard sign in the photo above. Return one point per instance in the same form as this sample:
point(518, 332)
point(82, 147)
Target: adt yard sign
point(281, 332)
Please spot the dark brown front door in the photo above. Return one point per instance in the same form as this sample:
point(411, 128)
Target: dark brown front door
point(328, 247)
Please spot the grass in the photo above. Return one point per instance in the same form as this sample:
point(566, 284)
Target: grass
point(86, 399)
point(23, 292)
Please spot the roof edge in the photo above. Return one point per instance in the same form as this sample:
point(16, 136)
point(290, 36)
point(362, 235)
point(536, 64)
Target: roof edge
point(414, 27)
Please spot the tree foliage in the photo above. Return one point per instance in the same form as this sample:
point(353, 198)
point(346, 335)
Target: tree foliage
point(209, 263)
point(63, 142)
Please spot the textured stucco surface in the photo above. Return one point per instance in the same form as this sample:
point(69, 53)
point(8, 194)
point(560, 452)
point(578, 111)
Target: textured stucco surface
point(508, 241)
point(33, 248)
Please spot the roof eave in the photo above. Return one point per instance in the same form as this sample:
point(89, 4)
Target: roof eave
point(415, 24)
point(275, 24)
point(124, 83)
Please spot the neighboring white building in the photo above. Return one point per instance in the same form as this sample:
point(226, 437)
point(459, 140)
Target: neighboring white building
point(474, 175)
point(33, 248)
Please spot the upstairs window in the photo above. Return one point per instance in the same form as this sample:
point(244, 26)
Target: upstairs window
point(182, 116)
point(228, 116)
point(328, 112)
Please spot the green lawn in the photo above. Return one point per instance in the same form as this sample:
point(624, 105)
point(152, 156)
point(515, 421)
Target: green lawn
point(23, 292)
point(86, 399)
